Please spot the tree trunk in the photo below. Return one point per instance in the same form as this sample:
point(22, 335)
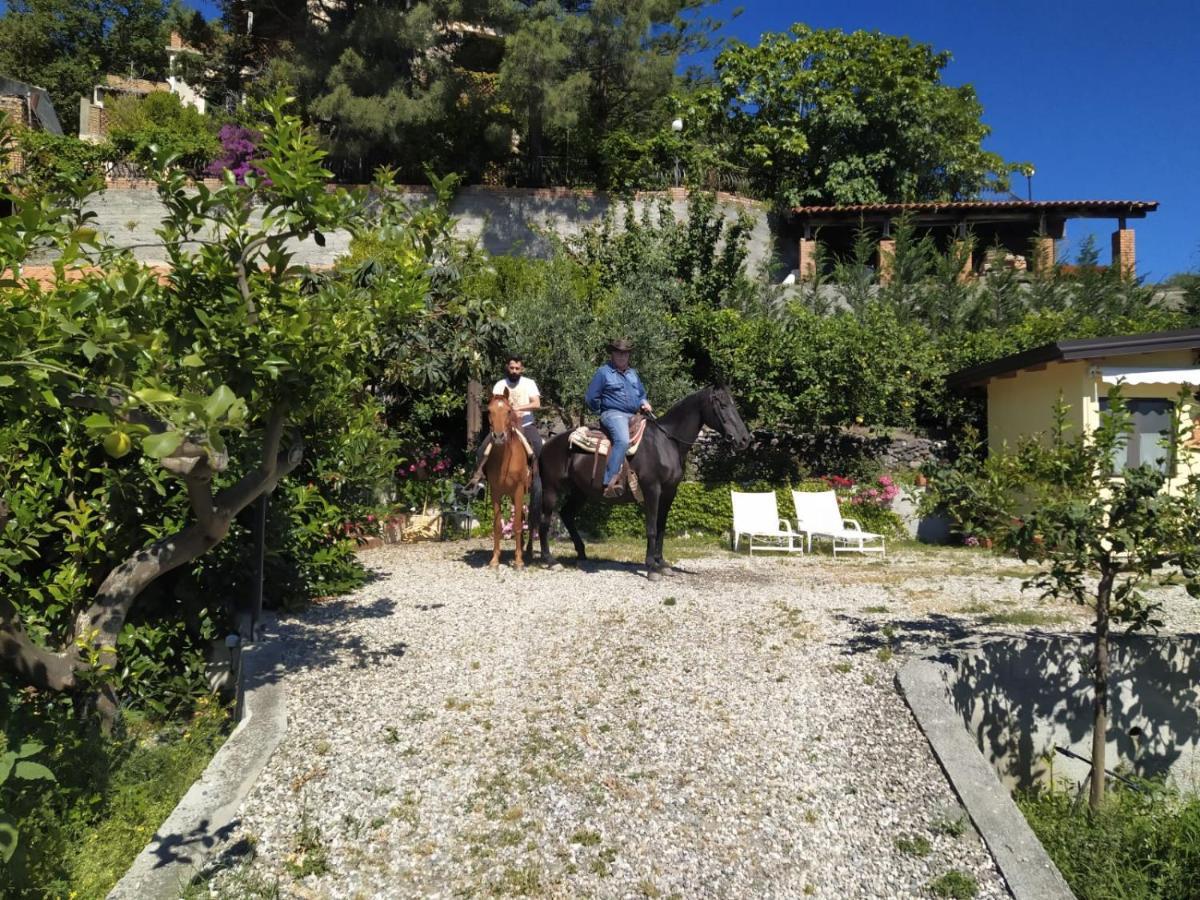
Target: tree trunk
point(1100, 691)
point(98, 628)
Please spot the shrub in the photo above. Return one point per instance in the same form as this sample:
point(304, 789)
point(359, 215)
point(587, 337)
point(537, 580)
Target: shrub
point(57, 164)
point(239, 153)
point(1137, 846)
point(144, 128)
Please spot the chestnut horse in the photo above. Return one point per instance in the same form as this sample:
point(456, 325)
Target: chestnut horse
point(508, 474)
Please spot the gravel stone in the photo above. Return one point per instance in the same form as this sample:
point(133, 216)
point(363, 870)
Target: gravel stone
point(731, 732)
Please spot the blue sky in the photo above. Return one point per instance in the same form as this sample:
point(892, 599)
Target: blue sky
point(1103, 97)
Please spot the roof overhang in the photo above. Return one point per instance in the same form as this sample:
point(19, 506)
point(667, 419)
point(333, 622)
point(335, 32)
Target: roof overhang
point(973, 211)
point(1068, 351)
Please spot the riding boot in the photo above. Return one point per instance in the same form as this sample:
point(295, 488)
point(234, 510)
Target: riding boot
point(615, 490)
point(475, 485)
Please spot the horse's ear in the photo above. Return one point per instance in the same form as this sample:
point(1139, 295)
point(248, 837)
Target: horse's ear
point(505, 393)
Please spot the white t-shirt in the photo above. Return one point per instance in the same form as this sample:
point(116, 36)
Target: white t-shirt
point(525, 392)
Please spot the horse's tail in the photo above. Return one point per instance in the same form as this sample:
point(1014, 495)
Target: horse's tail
point(534, 519)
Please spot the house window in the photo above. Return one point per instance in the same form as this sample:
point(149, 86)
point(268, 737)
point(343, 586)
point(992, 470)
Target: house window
point(1151, 442)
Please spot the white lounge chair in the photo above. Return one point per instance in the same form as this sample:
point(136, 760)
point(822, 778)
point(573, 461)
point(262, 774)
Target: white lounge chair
point(757, 516)
point(818, 515)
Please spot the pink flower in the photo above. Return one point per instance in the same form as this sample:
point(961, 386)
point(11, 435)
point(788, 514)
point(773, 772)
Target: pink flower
point(370, 518)
point(412, 467)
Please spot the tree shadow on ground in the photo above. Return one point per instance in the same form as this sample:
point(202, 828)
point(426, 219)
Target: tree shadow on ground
point(1022, 695)
point(481, 558)
point(935, 630)
point(320, 637)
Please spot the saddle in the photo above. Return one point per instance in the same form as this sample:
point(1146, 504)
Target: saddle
point(595, 441)
point(592, 440)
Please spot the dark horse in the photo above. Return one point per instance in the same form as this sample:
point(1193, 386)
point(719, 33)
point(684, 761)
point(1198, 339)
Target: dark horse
point(658, 463)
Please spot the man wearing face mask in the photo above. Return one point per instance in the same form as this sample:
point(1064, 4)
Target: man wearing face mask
point(525, 398)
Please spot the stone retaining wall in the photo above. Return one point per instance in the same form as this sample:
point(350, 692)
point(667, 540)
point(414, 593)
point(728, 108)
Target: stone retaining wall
point(503, 220)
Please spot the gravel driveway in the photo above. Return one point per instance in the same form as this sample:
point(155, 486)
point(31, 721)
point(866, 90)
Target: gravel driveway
point(732, 732)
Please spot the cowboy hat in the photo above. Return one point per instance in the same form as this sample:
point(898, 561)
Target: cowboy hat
point(620, 344)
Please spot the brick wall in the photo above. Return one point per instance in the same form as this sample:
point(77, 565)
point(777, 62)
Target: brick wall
point(18, 118)
point(1124, 257)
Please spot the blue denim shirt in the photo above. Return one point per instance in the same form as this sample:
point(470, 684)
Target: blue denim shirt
point(611, 389)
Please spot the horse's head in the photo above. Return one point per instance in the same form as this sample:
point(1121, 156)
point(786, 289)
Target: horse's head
point(721, 415)
point(501, 417)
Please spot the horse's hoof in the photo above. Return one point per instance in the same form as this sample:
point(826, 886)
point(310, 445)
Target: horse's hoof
point(494, 564)
point(520, 567)
point(653, 575)
point(556, 566)
point(665, 569)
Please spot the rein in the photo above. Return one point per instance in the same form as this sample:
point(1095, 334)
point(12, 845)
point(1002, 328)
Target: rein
point(680, 441)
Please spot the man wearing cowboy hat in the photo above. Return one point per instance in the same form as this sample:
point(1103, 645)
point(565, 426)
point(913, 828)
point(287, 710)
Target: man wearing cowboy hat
point(616, 393)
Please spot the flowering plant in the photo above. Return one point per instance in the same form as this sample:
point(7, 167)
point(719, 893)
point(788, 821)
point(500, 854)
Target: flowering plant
point(422, 479)
point(879, 493)
point(239, 147)
point(357, 529)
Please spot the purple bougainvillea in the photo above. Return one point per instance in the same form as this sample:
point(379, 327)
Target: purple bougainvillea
point(239, 147)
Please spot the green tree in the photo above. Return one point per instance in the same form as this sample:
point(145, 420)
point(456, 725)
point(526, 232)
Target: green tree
point(589, 78)
point(169, 368)
point(158, 123)
point(67, 47)
point(1100, 531)
point(822, 116)
point(391, 83)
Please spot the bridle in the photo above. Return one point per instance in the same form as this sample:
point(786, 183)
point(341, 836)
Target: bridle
point(513, 424)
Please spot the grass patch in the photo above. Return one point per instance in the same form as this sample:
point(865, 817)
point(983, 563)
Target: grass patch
point(885, 654)
point(309, 855)
point(79, 834)
point(1028, 618)
point(974, 609)
point(955, 884)
point(629, 549)
point(521, 882)
point(844, 666)
point(876, 609)
point(1136, 847)
point(917, 845)
point(955, 827)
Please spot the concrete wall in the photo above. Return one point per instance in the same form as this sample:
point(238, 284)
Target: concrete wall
point(503, 220)
point(1021, 697)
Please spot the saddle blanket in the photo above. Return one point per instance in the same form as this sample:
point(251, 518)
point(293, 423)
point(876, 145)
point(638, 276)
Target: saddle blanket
point(593, 440)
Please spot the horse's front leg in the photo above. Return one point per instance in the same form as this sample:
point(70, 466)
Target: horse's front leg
point(664, 509)
point(497, 529)
point(519, 525)
point(653, 497)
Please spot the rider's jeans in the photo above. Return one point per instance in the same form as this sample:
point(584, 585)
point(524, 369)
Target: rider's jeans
point(616, 425)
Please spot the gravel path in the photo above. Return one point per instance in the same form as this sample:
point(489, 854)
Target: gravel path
point(731, 732)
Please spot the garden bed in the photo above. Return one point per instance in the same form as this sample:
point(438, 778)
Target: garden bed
point(109, 796)
point(1139, 846)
